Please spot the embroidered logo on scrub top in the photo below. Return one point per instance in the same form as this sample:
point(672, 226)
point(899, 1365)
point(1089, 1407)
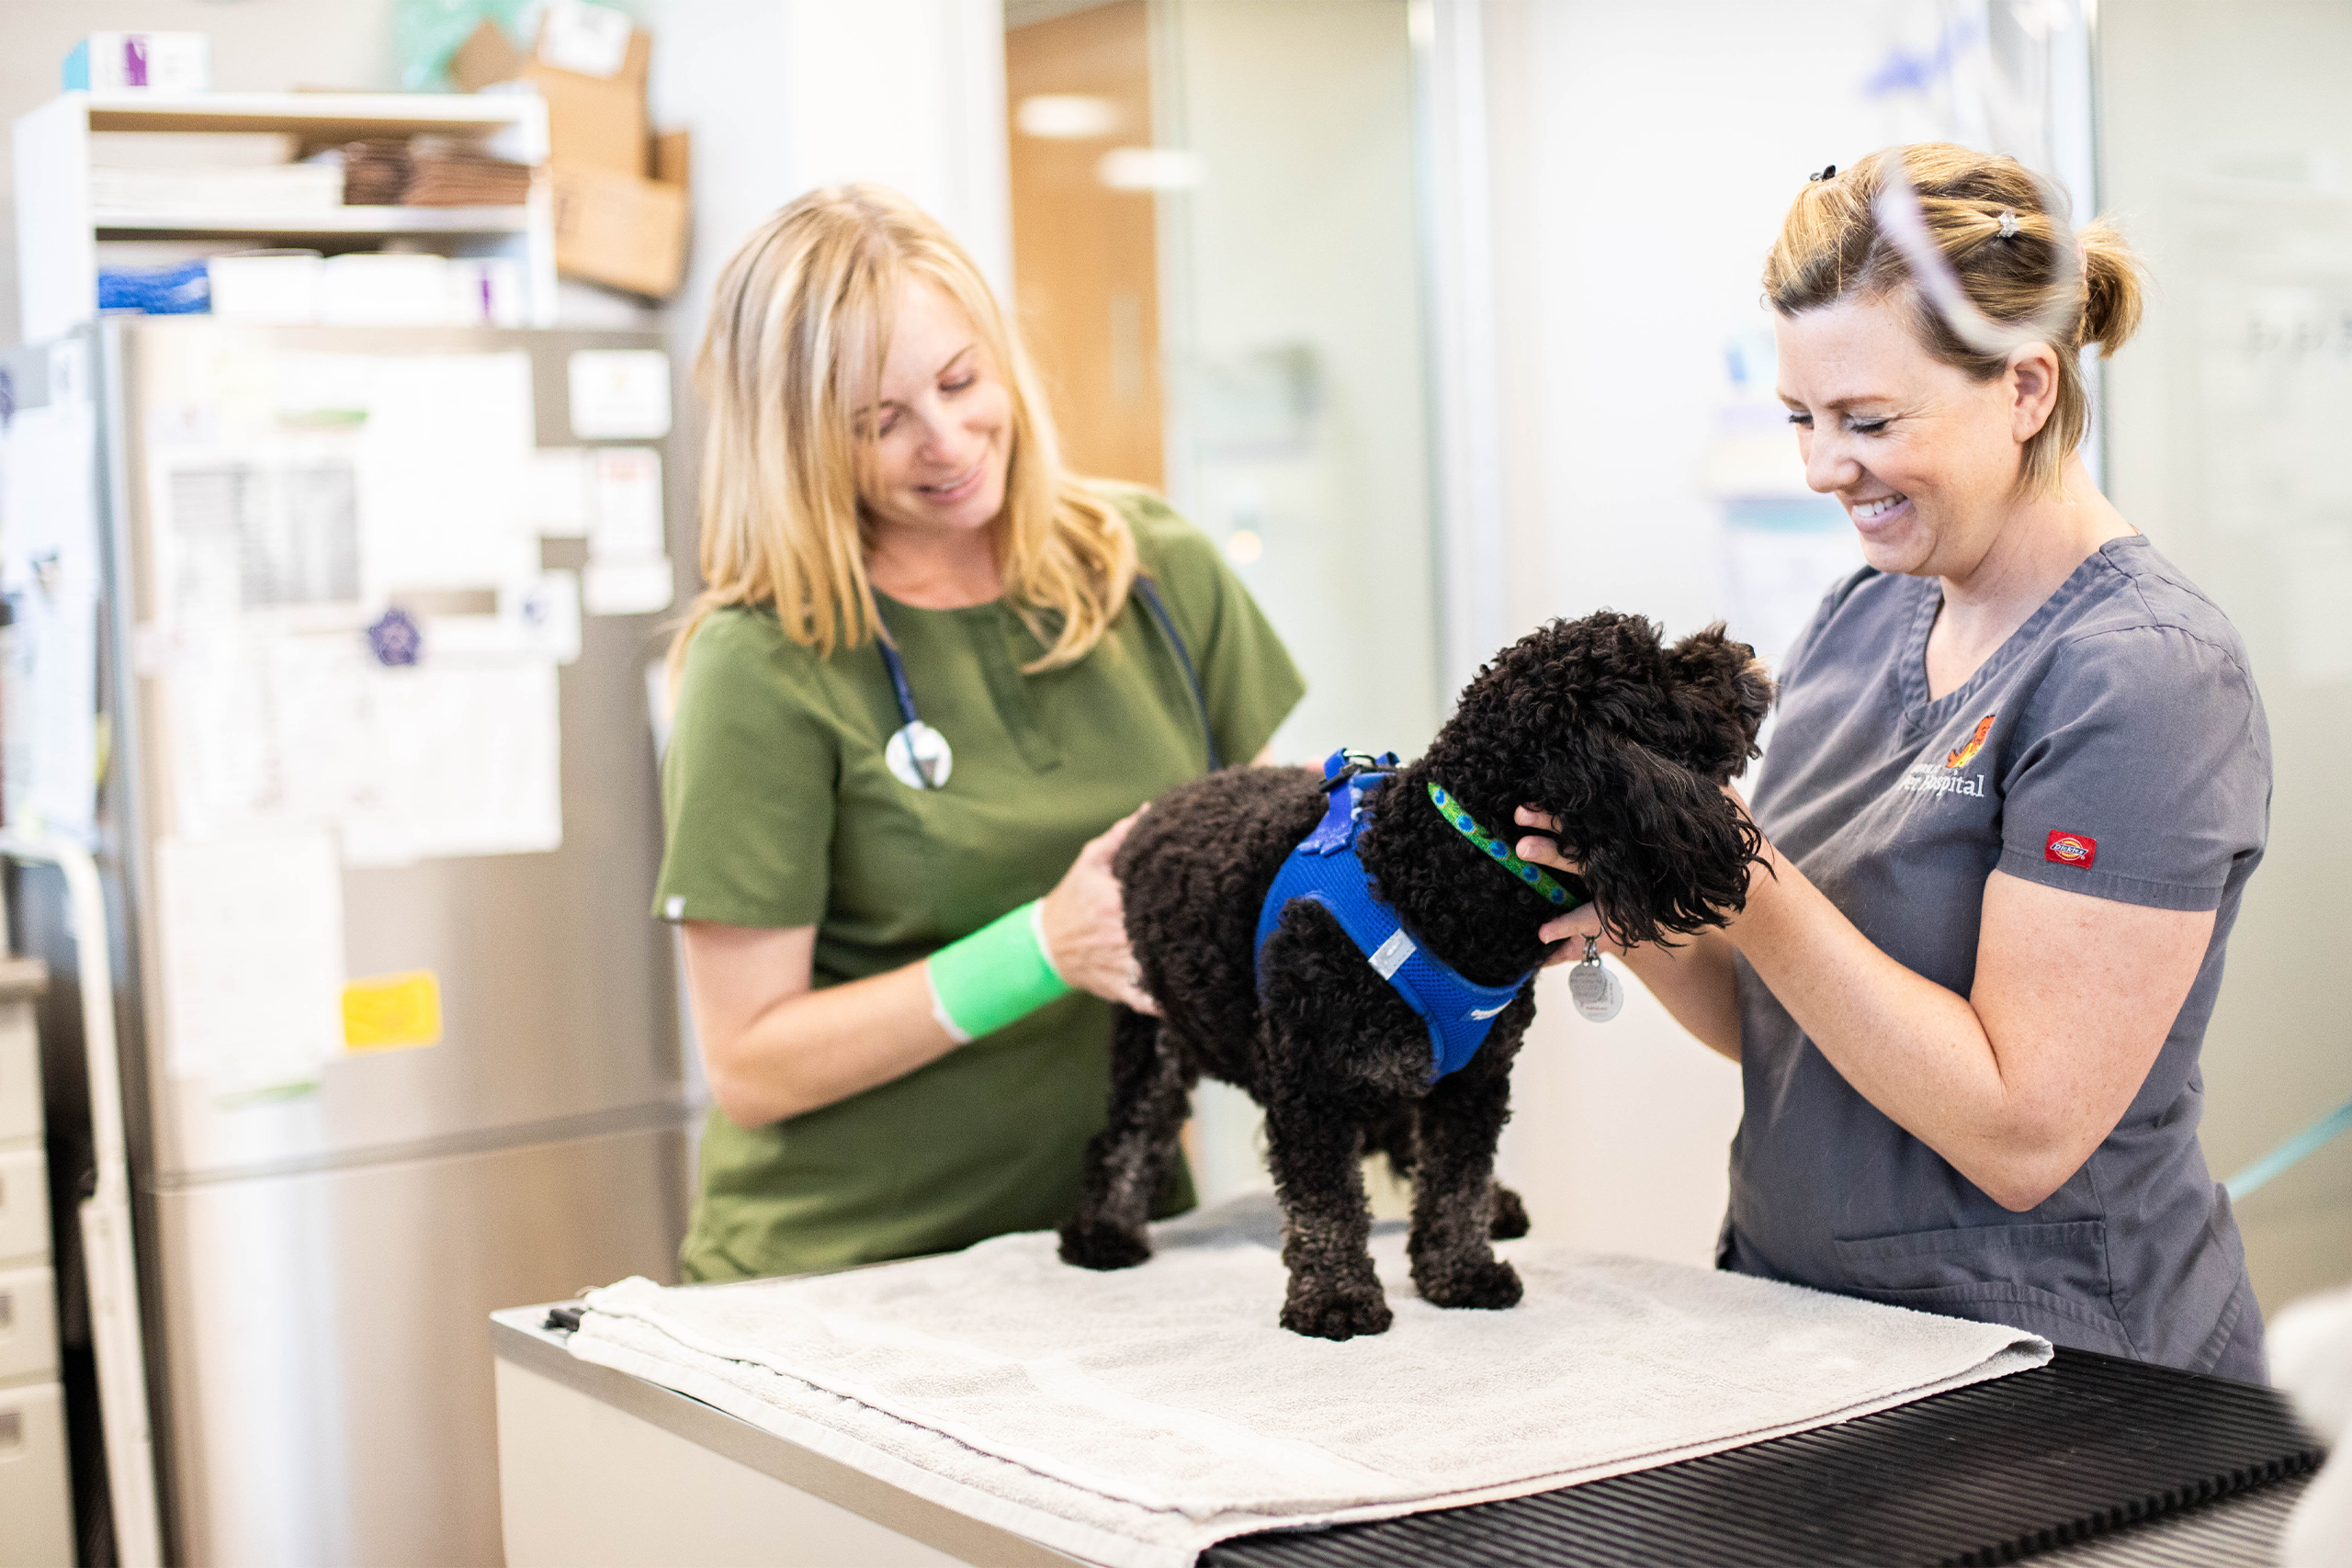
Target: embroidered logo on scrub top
point(1924, 777)
point(2070, 849)
point(1965, 752)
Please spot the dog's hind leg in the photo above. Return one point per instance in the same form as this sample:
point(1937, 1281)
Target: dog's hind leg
point(1511, 1215)
point(1457, 1206)
point(1128, 1159)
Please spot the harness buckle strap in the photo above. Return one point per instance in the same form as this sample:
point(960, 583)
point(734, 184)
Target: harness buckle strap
point(1325, 868)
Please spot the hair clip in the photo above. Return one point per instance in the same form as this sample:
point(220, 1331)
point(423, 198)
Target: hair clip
point(1828, 174)
point(2008, 224)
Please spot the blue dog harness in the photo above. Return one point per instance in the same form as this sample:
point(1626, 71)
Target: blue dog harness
point(1325, 867)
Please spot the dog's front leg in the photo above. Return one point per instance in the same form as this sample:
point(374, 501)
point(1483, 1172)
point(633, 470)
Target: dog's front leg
point(1128, 1158)
point(1314, 1145)
point(1455, 1201)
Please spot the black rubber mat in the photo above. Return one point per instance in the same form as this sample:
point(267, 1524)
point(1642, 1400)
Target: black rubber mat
point(1991, 1472)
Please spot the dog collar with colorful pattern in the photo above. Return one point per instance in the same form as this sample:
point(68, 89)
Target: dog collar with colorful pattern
point(1467, 826)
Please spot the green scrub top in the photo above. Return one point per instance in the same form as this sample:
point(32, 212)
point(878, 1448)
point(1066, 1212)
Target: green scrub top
point(782, 812)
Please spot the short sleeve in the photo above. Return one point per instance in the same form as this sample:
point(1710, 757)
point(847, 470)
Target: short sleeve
point(747, 781)
point(1248, 678)
point(2141, 771)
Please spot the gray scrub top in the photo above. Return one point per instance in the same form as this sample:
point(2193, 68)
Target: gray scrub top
point(2115, 746)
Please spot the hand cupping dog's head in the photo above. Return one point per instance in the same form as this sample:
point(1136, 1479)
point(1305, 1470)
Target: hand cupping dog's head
point(1626, 741)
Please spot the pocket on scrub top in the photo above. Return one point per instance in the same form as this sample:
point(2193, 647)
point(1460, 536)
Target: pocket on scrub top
point(2051, 1279)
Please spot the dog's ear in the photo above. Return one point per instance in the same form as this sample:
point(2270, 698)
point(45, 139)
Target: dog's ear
point(1727, 678)
point(1669, 851)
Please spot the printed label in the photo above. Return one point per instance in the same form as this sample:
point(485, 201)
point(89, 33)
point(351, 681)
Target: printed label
point(1925, 778)
point(2070, 849)
point(392, 1012)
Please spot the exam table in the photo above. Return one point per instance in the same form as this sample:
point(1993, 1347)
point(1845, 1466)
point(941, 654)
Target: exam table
point(2089, 1463)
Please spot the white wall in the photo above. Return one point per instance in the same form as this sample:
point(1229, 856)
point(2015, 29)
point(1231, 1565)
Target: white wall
point(786, 94)
point(258, 46)
point(2229, 156)
point(1301, 236)
point(1642, 158)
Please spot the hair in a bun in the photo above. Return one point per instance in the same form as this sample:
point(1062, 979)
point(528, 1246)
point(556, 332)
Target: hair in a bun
point(1992, 221)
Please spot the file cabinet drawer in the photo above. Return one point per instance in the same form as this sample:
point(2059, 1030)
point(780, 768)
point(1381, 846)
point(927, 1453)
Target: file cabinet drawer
point(19, 1072)
point(24, 1204)
point(36, 1493)
point(28, 1324)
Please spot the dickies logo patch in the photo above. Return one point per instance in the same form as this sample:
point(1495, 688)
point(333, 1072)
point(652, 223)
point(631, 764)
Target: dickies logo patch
point(1965, 752)
point(2070, 849)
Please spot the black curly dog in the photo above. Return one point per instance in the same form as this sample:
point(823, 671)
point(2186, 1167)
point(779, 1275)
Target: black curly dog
point(1620, 738)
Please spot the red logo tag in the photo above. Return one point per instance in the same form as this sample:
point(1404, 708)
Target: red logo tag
point(2070, 849)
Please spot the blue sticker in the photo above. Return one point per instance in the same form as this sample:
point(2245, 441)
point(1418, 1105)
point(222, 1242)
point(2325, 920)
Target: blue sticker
point(394, 638)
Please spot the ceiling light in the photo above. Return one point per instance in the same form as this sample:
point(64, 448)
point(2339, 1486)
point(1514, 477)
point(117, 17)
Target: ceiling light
point(1150, 168)
point(1066, 116)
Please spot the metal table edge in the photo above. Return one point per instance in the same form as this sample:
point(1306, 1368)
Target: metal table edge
point(521, 1336)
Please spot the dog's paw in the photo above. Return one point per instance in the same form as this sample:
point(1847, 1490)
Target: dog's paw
point(1488, 1283)
point(1511, 1215)
point(1323, 1314)
point(1102, 1246)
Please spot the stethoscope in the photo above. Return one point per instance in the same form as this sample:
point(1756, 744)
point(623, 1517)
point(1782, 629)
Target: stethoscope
point(920, 757)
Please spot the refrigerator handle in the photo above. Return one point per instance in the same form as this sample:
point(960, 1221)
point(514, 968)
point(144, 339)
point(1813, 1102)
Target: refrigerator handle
point(107, 1256)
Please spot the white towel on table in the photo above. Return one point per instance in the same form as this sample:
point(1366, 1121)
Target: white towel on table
point(1133, 1418)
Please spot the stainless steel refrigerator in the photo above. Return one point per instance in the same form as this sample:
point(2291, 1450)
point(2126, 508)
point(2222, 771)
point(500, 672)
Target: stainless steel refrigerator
point(373, 614)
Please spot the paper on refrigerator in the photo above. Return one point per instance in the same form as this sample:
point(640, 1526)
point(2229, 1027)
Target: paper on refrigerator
point(629, 573)
point(269, 529)
point(251, 929)
point(618, 394)
point(372, 480)
point(451, 757)
point(557, 496)
point(445, 476)
point(49, 571)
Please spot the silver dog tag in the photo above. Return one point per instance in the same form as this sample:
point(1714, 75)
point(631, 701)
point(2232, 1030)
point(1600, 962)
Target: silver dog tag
point(1593, 988)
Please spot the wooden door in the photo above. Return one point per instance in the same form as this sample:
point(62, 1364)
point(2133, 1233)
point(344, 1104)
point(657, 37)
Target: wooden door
point(1085, 255)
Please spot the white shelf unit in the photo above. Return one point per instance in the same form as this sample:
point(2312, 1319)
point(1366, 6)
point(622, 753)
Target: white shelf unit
point(61, 241)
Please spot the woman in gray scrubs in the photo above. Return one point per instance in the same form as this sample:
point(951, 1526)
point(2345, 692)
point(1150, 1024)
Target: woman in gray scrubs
point(2018, 779)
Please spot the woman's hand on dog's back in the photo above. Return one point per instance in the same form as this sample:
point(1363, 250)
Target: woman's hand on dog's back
point(1085, 924)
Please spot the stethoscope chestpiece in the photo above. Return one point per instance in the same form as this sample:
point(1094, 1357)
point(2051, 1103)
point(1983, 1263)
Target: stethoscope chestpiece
point(919, 756)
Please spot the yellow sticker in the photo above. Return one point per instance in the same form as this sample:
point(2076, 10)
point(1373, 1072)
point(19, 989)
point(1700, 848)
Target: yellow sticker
point(391, 1013)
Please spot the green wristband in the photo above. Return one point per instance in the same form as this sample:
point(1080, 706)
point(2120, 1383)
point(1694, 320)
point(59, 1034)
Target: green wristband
point(994, 977)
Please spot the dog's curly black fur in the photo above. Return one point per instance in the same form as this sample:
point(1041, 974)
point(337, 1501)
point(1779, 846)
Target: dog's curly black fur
point(1623, 740)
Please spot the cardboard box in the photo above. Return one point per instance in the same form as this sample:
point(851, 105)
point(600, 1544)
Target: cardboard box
point(673, 158)
point(622, 231)
point(593, 122)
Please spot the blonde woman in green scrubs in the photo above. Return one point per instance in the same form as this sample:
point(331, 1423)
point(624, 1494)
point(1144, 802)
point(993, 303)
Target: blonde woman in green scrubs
point(901, 949)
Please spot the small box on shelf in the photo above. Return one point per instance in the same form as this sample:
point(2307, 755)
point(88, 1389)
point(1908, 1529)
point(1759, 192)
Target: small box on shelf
point(152, 62)
point(614, 225)
point(594, 121)
point(74, 221)
point(622, 231)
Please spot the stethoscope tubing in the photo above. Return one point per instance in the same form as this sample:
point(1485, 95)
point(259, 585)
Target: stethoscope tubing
point(1143, 586)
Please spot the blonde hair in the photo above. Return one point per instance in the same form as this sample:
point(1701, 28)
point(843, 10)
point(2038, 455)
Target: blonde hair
point(1830, 248)
point(799, 312)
